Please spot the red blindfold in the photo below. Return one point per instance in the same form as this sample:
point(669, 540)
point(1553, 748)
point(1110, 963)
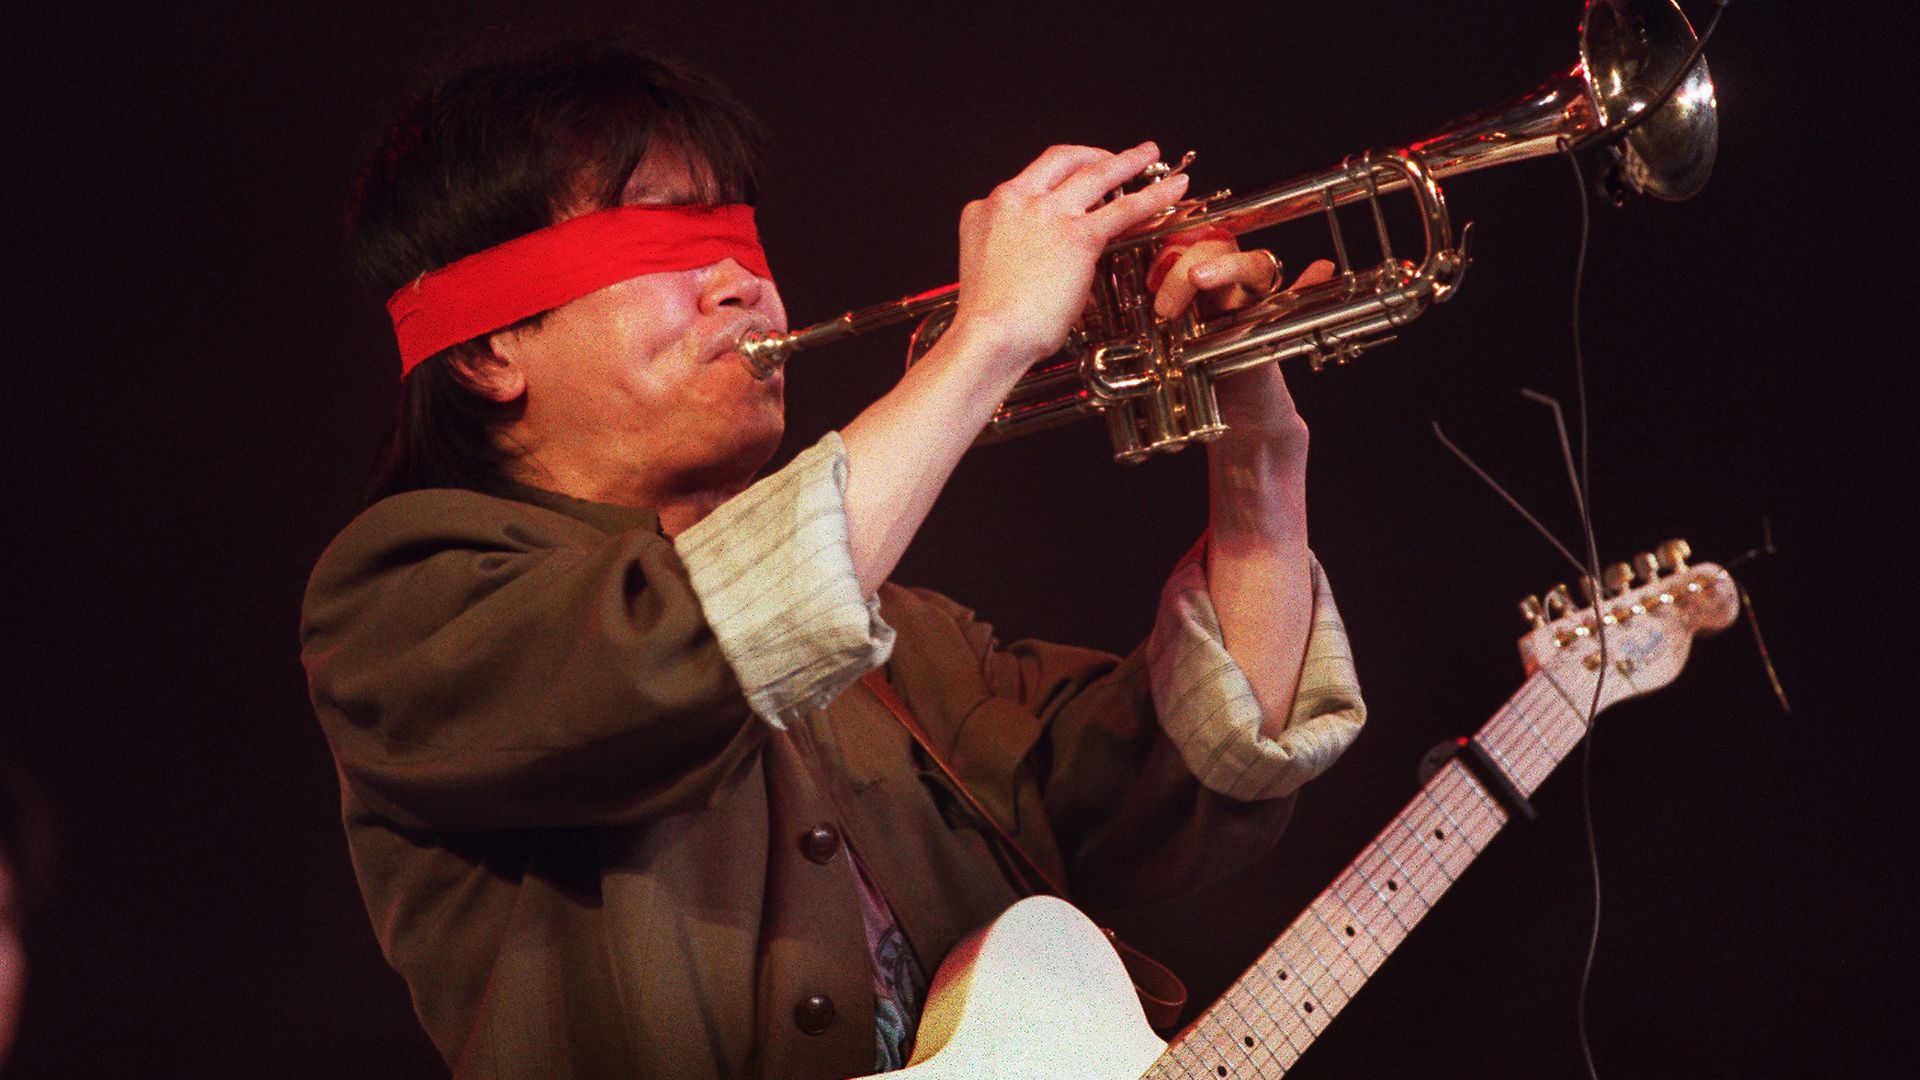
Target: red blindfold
point(542, 270)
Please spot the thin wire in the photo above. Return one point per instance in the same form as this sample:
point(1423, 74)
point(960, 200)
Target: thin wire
point(1766, 660)
point(1583, 493)
point(1488, 479)
point(1753, 618)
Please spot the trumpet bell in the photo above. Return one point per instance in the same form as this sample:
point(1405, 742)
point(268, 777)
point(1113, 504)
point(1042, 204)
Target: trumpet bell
point(1629, 52)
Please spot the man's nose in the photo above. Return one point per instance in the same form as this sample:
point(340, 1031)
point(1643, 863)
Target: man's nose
point(730, 285)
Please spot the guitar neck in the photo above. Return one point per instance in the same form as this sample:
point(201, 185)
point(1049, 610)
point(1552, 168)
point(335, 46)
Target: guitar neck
point(1268, 1019)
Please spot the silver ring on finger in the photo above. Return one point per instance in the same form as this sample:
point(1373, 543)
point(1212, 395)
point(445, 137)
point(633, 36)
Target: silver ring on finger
point(1273, 283)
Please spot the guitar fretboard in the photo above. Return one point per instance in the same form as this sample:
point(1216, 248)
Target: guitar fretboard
point(1264, 1023)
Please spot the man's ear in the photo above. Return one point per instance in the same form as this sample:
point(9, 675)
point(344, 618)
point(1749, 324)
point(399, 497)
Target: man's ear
point(490, 368)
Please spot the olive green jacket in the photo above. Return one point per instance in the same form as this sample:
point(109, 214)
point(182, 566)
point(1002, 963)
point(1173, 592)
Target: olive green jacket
point(587, 858)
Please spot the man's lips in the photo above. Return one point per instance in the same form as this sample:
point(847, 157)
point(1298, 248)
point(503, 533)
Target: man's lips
point(722, 336)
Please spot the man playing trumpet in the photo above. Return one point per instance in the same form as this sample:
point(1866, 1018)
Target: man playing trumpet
point(618, 801)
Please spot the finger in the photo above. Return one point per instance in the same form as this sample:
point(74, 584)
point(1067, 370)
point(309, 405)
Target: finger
point(1128, 211)
point(1179, 287)
point(1257, 270)
point(1318, 272)
point(1054, 165)
point(1086, 186)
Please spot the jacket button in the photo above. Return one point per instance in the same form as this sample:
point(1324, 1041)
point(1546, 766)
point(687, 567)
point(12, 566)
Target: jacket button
point(821, 842)
point(814, 1014)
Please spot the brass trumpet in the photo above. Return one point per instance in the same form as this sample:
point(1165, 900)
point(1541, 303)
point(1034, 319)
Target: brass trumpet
point(1153, 380)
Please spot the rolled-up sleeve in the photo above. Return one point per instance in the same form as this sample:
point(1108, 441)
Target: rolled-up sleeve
point(774, 573)
point(1208, 709)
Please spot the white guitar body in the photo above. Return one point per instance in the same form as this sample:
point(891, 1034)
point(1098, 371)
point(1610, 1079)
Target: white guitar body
point(1037, 993)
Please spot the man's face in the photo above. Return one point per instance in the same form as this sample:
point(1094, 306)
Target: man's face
point(633, 393)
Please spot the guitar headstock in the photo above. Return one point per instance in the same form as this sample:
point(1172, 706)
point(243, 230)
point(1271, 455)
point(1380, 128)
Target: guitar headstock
point(1649, 626)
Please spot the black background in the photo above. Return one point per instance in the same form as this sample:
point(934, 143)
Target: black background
point(198, 384)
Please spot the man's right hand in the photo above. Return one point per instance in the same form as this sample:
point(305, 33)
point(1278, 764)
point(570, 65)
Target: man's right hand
point(1027, 250)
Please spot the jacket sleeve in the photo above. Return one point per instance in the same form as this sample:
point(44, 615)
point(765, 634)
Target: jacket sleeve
point(478, 663)
point(1149, 769)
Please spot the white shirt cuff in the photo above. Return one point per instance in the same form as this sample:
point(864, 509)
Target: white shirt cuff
point(774, 573)
point(1208, 708)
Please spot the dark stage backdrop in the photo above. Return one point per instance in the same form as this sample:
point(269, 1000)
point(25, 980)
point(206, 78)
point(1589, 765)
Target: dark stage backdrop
point(204, 384)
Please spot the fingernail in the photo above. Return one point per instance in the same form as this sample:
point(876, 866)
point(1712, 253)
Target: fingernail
point(1206, 276)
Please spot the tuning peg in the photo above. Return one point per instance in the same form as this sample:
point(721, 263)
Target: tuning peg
point(1558, 601)
point(1673, 555)
point(1530, 611)
point(1587, 590)
point(1618, 578)
point(1647, 566)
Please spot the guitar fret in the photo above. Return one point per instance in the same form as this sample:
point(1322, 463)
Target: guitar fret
point(1185, 1064)
point(1566, 728)
point(1286, 975)
point(1250, 1024)
point(1285, 1032)
point(1249, 986)
point(1448, 794)
point(1362, 944)
point(1343, 966)
point(1478, 818)
point(1451, 828)
point(1417, 865)
point(1215, 1052)
point(1576, 702)
point(1314, 1011)
point(1563, 732)
point(1517, 718)
point(1509, 763)
point(1278, 1038)
point(1402, 874)
point(1251, 1043)
point(1552, 750)
point(1383, 927)
point(1386, 896)
point(1420, 833)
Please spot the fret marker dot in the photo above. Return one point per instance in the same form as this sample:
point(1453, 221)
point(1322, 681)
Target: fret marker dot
point(1283, 976)
point(1249, 1041)
point(1349, 931)
point(1309, 1006)
point(1222, 1070)
point(1392, 885)
point(1439, 834)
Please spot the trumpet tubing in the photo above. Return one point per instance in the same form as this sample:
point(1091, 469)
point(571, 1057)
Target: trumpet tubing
point(1153, 380)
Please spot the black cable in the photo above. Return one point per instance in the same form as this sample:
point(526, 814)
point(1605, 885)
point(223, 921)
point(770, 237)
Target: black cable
point(1584, 492)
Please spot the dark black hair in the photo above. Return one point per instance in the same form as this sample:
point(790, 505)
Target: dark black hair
point(497, 151)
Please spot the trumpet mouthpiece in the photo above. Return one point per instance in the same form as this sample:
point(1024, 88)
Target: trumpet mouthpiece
point(765, 352)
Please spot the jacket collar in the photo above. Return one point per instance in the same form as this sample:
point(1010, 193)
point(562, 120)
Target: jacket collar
point(602, 516)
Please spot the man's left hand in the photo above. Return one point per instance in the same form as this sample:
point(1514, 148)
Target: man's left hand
point(1209, 270)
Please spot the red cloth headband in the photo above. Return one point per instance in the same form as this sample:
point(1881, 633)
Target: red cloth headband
point(544, 269)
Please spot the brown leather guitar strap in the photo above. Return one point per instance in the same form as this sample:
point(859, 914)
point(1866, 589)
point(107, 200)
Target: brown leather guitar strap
point(1162, 994)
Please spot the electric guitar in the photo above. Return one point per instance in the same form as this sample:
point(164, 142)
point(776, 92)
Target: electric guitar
point(1040, 993)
